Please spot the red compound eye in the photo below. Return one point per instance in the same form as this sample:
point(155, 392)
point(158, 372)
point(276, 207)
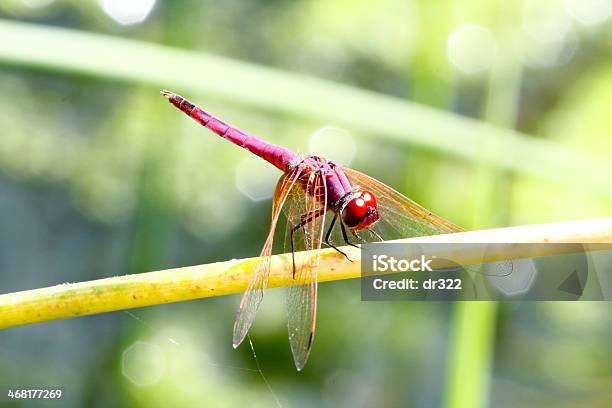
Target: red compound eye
point(369, 199)
point(360, 212)
point(355, 209)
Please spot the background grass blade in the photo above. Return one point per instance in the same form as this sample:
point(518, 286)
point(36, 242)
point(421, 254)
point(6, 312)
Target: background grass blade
point(74, 52)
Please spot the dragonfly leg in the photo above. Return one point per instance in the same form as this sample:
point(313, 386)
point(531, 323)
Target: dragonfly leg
point(361, 240)
point(345, 236)
point(328, 235)
point(376, 234)
point(305, 219)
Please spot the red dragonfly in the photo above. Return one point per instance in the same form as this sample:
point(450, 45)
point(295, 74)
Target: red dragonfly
point(310, 189)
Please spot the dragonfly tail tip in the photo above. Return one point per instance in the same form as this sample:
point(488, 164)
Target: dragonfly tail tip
point(166, 94)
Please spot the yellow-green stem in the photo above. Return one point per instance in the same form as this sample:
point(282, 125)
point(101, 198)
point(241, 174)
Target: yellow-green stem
point(222, 278)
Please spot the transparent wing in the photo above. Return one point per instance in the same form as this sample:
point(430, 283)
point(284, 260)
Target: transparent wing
point(259, 280)
point(400, 217)
point(306, 213)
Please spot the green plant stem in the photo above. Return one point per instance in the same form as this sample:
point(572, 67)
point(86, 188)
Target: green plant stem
point(472, 340)
point(223, 278)
point(473, 337)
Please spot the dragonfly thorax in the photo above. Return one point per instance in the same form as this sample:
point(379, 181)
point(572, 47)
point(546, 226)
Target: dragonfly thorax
point(323, 179)
point(359, 210)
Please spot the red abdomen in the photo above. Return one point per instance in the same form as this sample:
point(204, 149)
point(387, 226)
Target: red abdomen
point(279, 156)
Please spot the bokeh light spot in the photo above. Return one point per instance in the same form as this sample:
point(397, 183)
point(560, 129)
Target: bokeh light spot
point(545, 21)
point(143, 363)
point(256, 178)
point(471, 48)
point(518, 281)
point(589, 11)
point(546, 54)
point(334, 144)
point(127, 12)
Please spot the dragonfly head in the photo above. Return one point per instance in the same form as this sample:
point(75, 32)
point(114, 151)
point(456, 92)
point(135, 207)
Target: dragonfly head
point(360, 212)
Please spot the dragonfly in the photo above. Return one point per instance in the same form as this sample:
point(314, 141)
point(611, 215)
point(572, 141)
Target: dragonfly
point(318, 197)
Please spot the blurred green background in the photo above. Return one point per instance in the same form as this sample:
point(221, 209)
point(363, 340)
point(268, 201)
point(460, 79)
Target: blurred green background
point(489, 113)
